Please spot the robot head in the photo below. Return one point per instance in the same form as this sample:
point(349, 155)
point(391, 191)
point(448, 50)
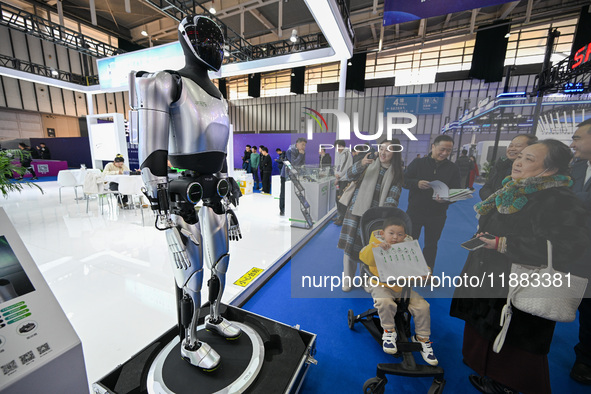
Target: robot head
point(202, 39)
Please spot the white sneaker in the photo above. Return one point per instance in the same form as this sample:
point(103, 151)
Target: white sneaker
point(426, 351)
point(389, 342)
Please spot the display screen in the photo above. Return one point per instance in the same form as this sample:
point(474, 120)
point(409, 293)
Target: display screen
point(14, 282)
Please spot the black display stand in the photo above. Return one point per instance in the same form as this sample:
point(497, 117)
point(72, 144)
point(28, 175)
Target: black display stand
point(288, 353)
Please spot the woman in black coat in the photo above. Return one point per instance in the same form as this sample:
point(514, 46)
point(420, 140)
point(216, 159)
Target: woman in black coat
point(534, 205)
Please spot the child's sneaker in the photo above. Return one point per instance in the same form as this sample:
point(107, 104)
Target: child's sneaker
point(426, 351)
point(389, 342)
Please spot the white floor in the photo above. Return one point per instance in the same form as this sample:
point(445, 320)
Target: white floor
point(112, 275)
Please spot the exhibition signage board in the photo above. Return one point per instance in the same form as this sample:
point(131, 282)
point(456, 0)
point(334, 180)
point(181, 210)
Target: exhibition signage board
point(396, 11)
point(418, 104)
point(35, 335)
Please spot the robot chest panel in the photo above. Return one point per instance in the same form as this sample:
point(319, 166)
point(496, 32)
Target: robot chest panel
point(199, 123)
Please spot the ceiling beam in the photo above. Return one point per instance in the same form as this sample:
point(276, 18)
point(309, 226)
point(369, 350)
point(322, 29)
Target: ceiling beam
point(422, 28)
point(530, 4)
point(447, 19)
point(381, 43)
point(280, 20)
point(507, 8)
point(257, 14)
point(245, 6)
point(473, 19)
point(374, 34)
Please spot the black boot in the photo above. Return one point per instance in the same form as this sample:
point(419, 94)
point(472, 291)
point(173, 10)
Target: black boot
point(489, 386)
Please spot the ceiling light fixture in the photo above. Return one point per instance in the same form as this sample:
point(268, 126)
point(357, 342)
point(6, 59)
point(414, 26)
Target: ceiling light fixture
point(226, 50)
point(349, 63)
point(54, 72)
point(507, 35)
point(212, 9)
point(294, 35)
point(144, 33)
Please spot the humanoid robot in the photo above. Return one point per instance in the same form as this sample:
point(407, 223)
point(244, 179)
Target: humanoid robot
point(182, 116)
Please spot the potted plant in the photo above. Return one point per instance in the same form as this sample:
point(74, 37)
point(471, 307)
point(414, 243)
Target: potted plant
point(7, 170)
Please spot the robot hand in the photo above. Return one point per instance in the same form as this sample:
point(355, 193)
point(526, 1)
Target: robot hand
point(159, 205)
point(234, 194)
point(177, 249)
point(233, 226)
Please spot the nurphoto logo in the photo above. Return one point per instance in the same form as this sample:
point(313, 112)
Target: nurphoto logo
point(344, 124)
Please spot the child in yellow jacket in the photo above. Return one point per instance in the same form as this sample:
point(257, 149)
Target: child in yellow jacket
point(385, 296)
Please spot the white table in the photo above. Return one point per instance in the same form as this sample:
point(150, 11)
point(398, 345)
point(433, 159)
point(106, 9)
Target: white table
point(80, 174)
point(134, 181)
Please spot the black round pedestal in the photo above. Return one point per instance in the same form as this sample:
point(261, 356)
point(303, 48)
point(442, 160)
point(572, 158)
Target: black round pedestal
point(241, 360)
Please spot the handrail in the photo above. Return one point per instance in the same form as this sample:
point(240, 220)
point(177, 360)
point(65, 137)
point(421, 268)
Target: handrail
point(45, 71)
point(17, 19)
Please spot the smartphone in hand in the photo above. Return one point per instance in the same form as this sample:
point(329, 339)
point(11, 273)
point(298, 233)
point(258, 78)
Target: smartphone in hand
point(476, 243)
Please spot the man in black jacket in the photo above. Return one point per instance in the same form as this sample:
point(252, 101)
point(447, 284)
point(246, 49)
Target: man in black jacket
point(503, 166)
point(266, 166)
point(43, 151)
point(581, 175)
point(463, 163)
point(423, 209)
point(27, 156)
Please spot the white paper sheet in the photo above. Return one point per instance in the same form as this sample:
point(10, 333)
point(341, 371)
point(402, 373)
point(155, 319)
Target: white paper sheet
point(402, 259)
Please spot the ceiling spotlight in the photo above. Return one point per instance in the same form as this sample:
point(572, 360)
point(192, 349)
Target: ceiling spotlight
point(226, 50)
point(293, 74)
point(144, 33)
point(349, 63)
point(212, 9)
point(54, 72)
point(507, 35)
point(294, 35)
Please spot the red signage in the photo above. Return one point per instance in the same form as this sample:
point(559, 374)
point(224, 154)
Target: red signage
point(582, 56)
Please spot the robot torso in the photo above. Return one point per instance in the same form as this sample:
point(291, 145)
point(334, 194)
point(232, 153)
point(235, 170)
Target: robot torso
point(199, 130)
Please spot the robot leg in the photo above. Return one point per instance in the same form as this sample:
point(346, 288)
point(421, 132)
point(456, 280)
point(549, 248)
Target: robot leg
point(215, 238)
point(186, 252)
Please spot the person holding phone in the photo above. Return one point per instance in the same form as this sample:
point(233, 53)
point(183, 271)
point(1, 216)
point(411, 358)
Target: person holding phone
point(534, 205)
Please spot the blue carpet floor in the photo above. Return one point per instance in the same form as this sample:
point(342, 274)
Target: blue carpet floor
point(41, 179)
point(347, 358)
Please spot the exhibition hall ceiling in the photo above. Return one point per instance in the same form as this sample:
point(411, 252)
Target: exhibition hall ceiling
point(259, 20)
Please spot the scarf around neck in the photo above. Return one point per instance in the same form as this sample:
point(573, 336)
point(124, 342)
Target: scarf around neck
point(368, 187)
point(513, 195)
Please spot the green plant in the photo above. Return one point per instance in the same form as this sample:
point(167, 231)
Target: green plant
point(7, 167)
point(486, 168)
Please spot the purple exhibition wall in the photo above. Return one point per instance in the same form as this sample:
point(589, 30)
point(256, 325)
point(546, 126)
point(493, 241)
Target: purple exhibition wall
point(284, 140)
point(74, 150)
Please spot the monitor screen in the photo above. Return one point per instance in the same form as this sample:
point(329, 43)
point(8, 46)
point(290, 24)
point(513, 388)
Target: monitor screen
point(14, 282)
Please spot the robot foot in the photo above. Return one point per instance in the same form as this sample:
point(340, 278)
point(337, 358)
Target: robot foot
point(201, 355)
point(223, 327)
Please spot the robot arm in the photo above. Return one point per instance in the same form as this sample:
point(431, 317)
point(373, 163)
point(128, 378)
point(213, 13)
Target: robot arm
point(151, 96)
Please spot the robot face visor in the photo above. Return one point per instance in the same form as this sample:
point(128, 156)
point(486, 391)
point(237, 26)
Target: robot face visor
point(205, 39)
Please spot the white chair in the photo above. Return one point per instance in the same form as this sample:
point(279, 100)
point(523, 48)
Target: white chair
point(131, 186)
point(94, 185)
point(66, 179)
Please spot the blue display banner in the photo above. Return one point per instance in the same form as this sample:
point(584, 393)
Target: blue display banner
point(399, 11)
point(418, 104)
